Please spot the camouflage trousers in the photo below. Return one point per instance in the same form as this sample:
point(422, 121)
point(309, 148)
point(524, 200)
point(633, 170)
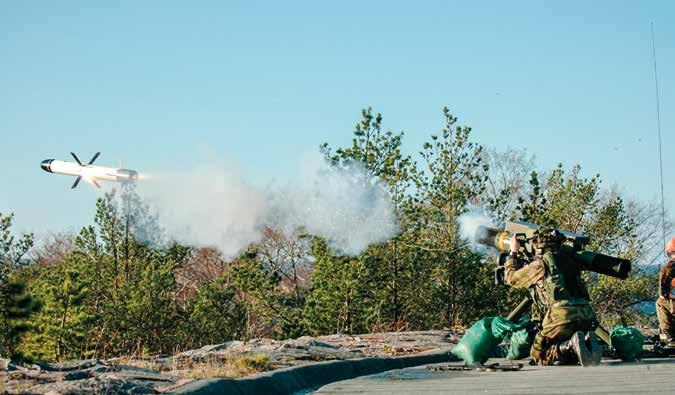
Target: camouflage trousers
point(665, 313)
point(560, 322)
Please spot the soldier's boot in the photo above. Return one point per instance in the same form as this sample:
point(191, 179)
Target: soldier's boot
point(577, 345)
point(666, 339)
point(595, 348)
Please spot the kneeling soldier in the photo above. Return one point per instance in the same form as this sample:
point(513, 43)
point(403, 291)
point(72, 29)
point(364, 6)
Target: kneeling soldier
point(554, 280)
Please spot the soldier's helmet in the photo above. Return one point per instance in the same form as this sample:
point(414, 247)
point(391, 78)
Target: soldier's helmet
point(547, 238)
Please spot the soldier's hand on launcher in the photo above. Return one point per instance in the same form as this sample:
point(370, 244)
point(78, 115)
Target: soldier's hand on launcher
point(514, 245)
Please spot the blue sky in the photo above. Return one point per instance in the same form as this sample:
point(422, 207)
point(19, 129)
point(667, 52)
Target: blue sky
point(170, 84)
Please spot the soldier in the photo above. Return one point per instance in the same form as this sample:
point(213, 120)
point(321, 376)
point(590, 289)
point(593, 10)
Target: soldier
point(664, 304)
point(554, 280)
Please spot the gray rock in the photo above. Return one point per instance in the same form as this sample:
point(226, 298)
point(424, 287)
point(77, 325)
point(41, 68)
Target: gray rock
point(67, 366)
point(159, 374)
point(94, 385)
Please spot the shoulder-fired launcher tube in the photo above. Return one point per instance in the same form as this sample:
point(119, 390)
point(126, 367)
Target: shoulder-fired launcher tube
point(591, 261)
point(604, 264)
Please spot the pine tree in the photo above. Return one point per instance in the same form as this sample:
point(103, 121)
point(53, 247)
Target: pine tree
point(453, 176)
point(269, 313)
point(216, 314)
point(339, 299)
point(388, 265)
point(131, 281)
point(151, 316)
point(61, 329)
point(16, 306)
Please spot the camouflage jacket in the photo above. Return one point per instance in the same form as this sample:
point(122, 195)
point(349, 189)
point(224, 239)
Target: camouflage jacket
point(550, 278)
point(666, 279)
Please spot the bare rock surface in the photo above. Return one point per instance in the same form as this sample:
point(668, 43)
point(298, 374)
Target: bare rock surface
point(156, 375)
point(303, 350)
point(92, 377)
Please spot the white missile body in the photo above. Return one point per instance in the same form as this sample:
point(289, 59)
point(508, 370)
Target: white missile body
point(89, 172)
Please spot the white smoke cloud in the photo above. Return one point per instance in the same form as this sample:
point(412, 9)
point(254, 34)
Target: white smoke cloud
point(469, 223)
point(213, 206)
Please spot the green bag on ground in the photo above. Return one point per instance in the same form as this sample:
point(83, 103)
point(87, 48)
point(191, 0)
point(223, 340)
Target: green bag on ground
point(520, 344)
point(521, 340)
point(627, 341)
point(503, 328)
point(478, 343)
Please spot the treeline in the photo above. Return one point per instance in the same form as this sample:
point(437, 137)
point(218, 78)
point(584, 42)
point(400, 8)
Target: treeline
point(117, 289)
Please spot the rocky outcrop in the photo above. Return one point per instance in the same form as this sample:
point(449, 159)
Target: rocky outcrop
point(303, 350)
point(85, 377)
point(156, 375)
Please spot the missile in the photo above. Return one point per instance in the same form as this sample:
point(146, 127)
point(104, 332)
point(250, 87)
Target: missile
point(89, 172)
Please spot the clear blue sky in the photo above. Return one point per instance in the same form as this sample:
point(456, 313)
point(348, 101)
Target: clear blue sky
point(161, 83)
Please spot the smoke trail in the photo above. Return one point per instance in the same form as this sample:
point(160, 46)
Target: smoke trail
point(213, 206)
point(469, 223)
point(208, 206)
point(339, 204)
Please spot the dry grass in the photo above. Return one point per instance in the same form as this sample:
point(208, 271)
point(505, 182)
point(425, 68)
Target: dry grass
point(213, 367)
point(229, 368)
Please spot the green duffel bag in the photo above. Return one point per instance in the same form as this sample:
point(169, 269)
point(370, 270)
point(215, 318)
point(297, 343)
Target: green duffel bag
point(478, 343)
point(520, 344)
point(502, 328)
point(627, 341)
point(521, 340)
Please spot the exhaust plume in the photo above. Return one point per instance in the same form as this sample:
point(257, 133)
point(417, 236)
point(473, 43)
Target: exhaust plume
point(470, 222)
point(214, 206)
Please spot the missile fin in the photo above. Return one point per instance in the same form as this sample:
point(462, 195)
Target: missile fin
point(76, 158)
point(96, 183)
point(77, 181)
point(94, 158)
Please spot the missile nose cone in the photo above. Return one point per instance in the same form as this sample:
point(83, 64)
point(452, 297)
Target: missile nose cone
point(45, 165)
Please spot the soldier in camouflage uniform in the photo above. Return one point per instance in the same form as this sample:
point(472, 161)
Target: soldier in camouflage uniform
point(665, 310)
point(554, 281)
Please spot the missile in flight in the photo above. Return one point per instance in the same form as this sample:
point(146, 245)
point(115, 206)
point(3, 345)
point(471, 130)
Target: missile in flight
point(90, 173)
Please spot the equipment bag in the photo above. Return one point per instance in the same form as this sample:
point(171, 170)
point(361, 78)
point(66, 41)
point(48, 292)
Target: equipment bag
point(520, 337)
point(627, 341)
point(503, 329)
point(478, 343)
point(520, 344)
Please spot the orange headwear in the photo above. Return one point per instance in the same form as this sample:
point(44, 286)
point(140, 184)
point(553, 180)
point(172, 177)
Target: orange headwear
point(670, 247)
